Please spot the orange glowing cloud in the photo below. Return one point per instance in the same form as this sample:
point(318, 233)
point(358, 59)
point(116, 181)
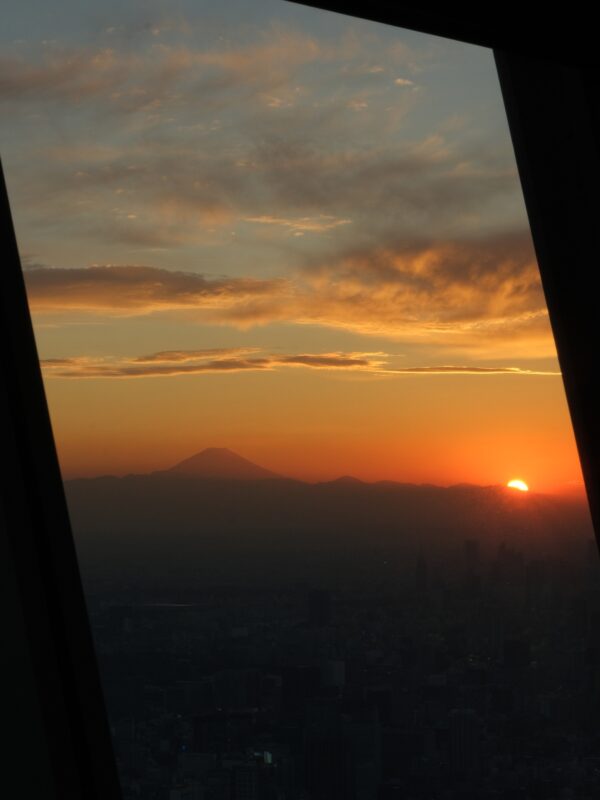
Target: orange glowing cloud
point(469, 294)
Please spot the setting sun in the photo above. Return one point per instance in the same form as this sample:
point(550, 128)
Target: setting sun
point(516, 483)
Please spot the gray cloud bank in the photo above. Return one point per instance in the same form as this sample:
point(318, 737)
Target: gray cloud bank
point(264, 133)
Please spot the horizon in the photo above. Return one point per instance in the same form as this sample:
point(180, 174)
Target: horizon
point(574, 492)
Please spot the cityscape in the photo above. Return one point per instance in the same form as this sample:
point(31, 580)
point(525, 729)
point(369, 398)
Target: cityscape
point(458, 668)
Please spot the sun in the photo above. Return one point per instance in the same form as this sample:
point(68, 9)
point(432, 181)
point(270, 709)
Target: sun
point(517, 483)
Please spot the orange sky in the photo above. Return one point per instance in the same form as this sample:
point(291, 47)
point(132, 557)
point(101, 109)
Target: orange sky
point(440, 429)
point(286, 232)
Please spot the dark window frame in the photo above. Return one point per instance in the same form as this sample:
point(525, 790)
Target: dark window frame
point(60, 742)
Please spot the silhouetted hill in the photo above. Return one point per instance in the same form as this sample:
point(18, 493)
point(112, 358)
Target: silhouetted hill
point(219, 462)
point(344, 480)
point(277, 529)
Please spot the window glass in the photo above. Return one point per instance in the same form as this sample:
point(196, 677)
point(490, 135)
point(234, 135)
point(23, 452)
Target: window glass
point(321, 475)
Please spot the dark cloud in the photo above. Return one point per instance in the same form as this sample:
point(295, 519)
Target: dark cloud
point(88, 368)
point(137, 289)
point(333, 361)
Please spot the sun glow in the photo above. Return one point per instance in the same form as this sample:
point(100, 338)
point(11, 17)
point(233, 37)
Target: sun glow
point(516, 483)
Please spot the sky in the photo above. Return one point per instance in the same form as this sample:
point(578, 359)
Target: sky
point(279, 230)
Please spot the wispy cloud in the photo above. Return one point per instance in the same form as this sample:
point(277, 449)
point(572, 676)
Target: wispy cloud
point(193, 362)
point(175, 356)
point(320, 224)
point(63, 74)
point(126, 79)
point(471, 370)
point(170, 192)
point(331, 361)
point(243, 359)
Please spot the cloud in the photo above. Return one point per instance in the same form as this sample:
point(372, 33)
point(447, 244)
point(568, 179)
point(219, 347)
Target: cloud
point(138, 290)
point(193, 362)
point(190, 117)
point(329, 361)
point(174, 356)
point(460, 295)
point(230, 360)
point(357, 105)
point(53, 363)
point(146, 74)
point(64, 75)
point(424, 187)
point(385, 233)
point(168, 191)
point(470, 370)
point(129, 79)
point(320, 224)
point(90, 369)
point(29, 261)
point(469, 293)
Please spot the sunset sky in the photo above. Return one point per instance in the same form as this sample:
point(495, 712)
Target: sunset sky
point(279, 230)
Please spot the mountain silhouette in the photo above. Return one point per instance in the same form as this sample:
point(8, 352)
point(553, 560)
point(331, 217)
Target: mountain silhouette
point(217, 517)
point(344, 480)
point(219, 462)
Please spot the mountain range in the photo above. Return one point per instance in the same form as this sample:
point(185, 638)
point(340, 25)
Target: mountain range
point(218, 516)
